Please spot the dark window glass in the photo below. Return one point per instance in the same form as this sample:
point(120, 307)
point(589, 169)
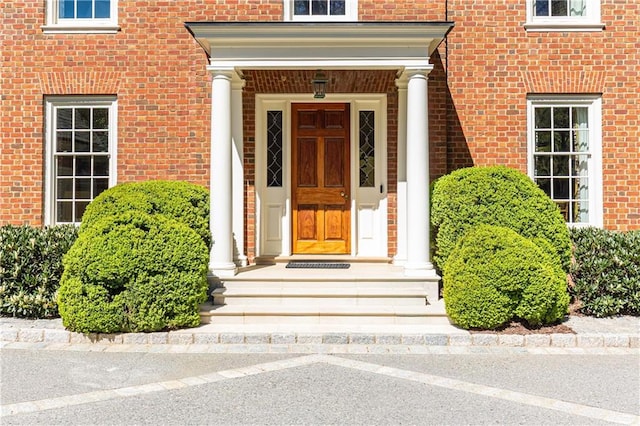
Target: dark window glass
point(319, 7)
point(301, 7)
point(367, 148)
point(274, 148)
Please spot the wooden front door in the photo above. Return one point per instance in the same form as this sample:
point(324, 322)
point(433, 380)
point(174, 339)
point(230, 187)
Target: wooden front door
point(321, 202)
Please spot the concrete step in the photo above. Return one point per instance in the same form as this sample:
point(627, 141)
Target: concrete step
point(318, 295)
point(319, 314)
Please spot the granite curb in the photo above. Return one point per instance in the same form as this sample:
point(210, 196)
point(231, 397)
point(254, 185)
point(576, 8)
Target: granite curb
point(34, 334)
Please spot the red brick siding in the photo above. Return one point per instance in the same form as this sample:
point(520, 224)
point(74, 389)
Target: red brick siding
point(494, 63)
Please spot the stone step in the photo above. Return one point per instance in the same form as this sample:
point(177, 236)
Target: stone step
point(318, 295)
point(287, 313)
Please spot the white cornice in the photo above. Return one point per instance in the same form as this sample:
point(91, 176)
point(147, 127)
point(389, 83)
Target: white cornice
point(326, 45)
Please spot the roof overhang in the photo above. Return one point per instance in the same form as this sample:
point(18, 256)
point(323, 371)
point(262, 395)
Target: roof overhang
point(335, 45)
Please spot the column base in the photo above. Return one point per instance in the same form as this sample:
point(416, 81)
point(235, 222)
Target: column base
point(420, 269)
point(241, 261)
point(223, 270)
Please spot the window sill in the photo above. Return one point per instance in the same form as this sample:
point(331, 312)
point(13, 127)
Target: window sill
point(75, 29)
point(563, 27)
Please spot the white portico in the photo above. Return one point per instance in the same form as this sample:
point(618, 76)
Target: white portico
point(281, 212)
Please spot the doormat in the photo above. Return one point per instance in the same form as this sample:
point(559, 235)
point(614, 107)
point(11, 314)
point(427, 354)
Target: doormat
point(318, 265)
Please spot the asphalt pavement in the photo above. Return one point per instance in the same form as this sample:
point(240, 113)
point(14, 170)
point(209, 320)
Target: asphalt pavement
point(76, 386)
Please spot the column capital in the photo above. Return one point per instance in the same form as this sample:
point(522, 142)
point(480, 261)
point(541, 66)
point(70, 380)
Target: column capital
point(237, 81)
point(416, 72)
point(218, 71)
point(402, 81)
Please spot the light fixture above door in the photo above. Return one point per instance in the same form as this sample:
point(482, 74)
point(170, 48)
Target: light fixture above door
point(319, 85)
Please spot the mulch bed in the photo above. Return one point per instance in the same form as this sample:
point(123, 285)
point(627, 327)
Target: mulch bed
point(517, 327)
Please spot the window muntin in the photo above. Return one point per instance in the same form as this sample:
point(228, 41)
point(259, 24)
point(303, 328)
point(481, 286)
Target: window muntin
point(81, 144)
point(321, 10)
point(565, 157)
point(563, 15)
point(87, 16)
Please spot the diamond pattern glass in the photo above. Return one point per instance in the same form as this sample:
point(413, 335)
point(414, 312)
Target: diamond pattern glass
point(274, 149)
point(367, 149)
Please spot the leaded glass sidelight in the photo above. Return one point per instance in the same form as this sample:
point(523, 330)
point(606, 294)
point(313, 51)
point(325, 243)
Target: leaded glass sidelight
point(367, 148)
point(274, 148)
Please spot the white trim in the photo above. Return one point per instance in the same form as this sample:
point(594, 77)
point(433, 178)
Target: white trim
point(594, 103)
point(351, 13)
point(53, 102)
point(588, 22)
point(80, 25)
point(273, 198)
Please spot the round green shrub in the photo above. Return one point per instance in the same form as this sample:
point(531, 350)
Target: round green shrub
point(31, 267)
point(134, 272)
point(494, 275)
point(495, 196)
point(182, 201)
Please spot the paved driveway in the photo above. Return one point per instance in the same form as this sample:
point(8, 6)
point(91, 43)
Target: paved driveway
point(80, 387)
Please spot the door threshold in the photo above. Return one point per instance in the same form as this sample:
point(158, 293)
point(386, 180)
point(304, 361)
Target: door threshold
point(272, 260)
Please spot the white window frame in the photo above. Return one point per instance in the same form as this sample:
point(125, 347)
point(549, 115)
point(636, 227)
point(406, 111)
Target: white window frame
point(351, 14)
point(589, 22)
point(594, 161)
point(80, 25)
point(51, 104)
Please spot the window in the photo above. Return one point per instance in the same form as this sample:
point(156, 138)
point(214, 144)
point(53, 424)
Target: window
point(367, 148)
point(563, 15)
point(565, 155)
point(81, 139)
point(274, 149)
point(321, 10)
point(86, 16)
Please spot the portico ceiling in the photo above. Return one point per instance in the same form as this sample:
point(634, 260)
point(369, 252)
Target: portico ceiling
point(335, 45)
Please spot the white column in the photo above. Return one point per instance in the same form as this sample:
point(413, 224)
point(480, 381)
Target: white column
point(221, 257)
point(418, 219)
point(401, 200)
point(237, 167)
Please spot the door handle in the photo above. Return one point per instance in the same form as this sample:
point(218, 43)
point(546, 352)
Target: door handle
point(344, 195)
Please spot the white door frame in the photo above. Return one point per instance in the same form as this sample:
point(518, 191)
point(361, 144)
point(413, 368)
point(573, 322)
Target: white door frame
point(369, 207)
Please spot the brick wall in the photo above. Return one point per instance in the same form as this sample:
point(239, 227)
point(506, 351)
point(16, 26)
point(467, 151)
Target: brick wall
point(477, 94)
point(152, 64)
point(494, 63)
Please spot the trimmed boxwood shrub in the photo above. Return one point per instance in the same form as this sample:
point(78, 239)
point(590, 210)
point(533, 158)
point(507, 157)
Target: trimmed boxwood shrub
point(31, 267)
point(606, 271)
point(182, 201)
point(494, 275)
point(134, 272)
point(495, 196)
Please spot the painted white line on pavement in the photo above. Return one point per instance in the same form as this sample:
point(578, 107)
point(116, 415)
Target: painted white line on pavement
point(493, 392)
point(107, 394)
point(428, 379)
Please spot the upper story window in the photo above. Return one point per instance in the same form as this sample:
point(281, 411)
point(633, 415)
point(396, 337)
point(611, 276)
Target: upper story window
point(321, 10)
point(565, 154)
point(82, 16)
point(80, 154)
point(563, 15)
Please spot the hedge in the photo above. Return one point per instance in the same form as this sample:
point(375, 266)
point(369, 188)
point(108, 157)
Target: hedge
point(182, 201)
point(497, 196)
point(606, 271)
point(494, 275)
point(31, 267)
point(134, 272)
